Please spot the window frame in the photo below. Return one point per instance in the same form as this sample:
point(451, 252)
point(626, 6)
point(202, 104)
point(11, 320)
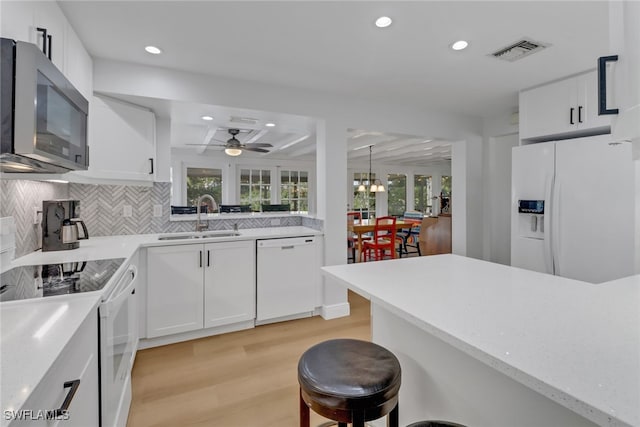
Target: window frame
point(298, 171)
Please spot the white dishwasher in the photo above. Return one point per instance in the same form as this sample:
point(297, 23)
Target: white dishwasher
point(287, 278)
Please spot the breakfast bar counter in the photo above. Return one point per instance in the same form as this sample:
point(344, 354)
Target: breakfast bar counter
point(484, 344)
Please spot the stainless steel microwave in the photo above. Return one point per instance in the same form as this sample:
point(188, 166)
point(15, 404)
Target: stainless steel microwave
point(44, 118)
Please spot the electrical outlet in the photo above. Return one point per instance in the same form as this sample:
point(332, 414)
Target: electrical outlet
point(275, 221)
point(157, 211)
point(127, 211)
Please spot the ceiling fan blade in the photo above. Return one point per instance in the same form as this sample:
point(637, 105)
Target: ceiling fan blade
point(259, 144)
point(257, 150)
point(193, 144)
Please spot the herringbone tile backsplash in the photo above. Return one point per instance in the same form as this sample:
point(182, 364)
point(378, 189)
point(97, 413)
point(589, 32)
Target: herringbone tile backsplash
point(18, 198)
point(102, 209)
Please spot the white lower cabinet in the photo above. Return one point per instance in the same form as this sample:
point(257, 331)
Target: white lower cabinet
point(229, 283)
point(195, 286)
point(76, 366)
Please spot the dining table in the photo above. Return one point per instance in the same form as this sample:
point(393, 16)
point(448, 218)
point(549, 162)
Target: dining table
point(366, 226)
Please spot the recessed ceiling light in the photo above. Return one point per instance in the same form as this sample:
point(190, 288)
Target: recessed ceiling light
point(153, 50)
point(459, 45)
point(207, 118)
point(269, 125)
point(383, 22)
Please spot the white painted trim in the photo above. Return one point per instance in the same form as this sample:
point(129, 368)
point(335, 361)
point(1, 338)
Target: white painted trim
point(191, 335)
point(334, 311)
point(285, 318)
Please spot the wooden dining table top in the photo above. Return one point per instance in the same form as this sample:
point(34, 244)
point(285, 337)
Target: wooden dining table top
point(365, 227)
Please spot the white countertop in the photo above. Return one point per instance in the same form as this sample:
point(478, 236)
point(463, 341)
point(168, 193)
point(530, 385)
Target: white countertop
point(25, 359)
point(28, 350)
point(574, 342)
point(124, 246)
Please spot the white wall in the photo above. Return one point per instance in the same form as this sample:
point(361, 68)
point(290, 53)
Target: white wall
point(334, 112)
point(624, 40)
point(498, 207)
point(495, 129)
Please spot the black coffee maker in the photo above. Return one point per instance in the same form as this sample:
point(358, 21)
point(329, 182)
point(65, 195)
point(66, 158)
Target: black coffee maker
point(60, 223)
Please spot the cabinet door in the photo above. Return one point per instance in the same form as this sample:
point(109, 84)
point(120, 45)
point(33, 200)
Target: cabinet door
point(547, 110)
point(587, 85)
point(17, 20)
point(174, 289)
point(121, 141)
point(77, 361)
point(50, 17)
point(229, 289)
point(78, 64)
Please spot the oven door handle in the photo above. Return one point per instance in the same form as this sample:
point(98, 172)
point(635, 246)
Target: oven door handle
point(110, 306)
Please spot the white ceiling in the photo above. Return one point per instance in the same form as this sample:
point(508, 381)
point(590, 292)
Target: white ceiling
point(333, 46)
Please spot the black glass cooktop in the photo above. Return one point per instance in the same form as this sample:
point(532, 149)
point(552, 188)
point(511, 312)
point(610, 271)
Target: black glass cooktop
point(35, 281)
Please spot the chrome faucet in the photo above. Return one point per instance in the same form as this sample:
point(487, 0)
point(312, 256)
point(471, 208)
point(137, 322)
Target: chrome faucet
point(200, 226)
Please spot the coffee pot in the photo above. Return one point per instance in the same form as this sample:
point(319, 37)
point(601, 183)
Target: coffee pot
point(61, 225)
point(70, 232)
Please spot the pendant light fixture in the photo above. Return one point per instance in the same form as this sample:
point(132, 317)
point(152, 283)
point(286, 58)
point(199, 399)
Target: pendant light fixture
point(376, 187)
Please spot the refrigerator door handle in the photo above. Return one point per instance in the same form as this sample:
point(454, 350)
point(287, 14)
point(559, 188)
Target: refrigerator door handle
point(548, 225)
point(555, 226)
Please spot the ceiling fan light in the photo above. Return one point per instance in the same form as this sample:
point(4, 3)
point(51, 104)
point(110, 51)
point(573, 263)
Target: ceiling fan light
point(232, 151)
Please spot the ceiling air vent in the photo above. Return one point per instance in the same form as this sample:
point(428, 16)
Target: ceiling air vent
point(519, 50)
point(243, 120)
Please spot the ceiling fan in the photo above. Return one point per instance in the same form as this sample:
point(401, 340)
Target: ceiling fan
point(233, 147)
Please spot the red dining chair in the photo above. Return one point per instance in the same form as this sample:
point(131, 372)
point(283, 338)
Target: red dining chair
point(352, 238)
point(384, 239)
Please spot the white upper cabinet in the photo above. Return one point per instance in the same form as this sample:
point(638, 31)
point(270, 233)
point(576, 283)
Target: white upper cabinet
point(50, 18)
point(20, 20)
point(567, 107)
point(17, 20)
point(121, 142)
point(78, 64)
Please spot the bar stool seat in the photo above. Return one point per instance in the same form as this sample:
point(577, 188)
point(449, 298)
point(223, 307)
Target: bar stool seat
point(435, 424)
point(349, 381)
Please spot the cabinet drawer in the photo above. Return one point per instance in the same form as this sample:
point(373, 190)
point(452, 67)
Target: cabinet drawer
point(78, 361)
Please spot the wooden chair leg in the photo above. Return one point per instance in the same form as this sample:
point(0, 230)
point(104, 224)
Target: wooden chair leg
point(392, 418)
point(304, 412)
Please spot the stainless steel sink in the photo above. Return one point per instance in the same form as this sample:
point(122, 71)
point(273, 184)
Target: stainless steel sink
point(200, 235)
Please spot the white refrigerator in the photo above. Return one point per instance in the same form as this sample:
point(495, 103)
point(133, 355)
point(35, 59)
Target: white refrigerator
point(572, 207)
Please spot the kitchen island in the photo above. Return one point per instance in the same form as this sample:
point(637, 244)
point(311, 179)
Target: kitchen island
point(485, 344)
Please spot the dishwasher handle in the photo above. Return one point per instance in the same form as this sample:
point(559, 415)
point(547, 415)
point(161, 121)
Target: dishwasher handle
point(286, 243)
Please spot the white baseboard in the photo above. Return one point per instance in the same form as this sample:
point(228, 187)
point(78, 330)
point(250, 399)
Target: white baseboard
point(285, 318)
point(192, 335)
point(335, 310)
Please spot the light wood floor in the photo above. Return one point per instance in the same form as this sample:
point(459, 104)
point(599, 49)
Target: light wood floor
point(246, 378)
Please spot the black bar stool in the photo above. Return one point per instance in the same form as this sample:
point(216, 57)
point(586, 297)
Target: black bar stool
point(349, 381)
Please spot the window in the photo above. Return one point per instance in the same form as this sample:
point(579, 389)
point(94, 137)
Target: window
point(446, 185)
point(445, 194)
point(363, 200)
point(397, 194)
point(294, 189)
point(203, 181)
point(422, 193)
point(255, 188)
